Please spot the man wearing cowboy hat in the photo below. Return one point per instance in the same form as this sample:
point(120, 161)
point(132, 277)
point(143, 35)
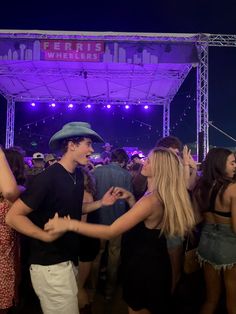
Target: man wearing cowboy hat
point(57, 191)
point(106, 154)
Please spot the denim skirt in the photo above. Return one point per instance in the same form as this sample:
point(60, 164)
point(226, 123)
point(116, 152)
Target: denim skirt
point(217, 246)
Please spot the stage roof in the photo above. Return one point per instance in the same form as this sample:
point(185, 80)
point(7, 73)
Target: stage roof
point(94, 67)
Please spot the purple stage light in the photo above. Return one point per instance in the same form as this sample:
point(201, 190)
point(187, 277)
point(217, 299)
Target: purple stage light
point(70, 106)
point(88, 106)
point(108, 106)
point(126, 106)
point(146, 107)
point(33, 104)
point(53, 105)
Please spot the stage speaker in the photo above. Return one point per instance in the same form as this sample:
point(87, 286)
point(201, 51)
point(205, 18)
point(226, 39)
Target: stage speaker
point(200, 146)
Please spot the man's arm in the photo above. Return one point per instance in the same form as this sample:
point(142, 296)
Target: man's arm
point(17, 219)
point(90, 207)
point(109, 198)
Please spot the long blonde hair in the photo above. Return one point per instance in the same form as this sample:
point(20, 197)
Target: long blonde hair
point(169, 184)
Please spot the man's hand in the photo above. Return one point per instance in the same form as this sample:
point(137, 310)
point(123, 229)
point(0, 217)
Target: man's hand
point(109, 198)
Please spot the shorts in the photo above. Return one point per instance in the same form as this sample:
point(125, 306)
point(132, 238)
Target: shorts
point(56, 287)
point(217, 246)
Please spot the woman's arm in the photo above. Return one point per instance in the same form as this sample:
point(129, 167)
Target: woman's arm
point(139, 212)
point(190, 169)
point(8, 185)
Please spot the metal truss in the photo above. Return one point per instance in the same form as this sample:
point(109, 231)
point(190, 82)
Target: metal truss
point(202, 103)
point(7, 71)
point(211, 39)
point(166, 119)
point(97, 101)
point(205, 41)
point(104, 36)
point(10, 122)
point(218, 40)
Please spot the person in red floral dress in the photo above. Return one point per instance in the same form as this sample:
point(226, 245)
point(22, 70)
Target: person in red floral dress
point(11, 185)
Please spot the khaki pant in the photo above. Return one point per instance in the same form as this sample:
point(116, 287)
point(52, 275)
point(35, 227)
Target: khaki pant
point(56, 287)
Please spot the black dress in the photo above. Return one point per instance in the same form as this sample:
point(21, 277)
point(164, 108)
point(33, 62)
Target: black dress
point(145, 270)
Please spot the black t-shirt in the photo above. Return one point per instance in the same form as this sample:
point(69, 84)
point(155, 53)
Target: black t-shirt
point(54, 190)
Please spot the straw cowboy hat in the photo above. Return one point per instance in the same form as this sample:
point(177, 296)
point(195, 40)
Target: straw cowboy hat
point(72, 130)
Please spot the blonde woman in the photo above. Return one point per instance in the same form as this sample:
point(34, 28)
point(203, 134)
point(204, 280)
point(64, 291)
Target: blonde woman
point(164, 210)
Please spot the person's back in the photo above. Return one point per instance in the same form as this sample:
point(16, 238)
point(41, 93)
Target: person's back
point(112, 175)
point(107, 176)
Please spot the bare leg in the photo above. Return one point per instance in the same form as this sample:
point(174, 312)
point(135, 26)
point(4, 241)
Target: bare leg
point(176, 260)
point(213, 289)
point(143, 311)
point(230, 285)
point(84, 270)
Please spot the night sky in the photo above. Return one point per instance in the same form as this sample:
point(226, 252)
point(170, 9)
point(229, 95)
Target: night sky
point(131, 16)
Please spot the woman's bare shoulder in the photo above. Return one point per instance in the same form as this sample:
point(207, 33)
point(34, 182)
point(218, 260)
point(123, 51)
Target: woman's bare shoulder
point(151, 198)
point(231, 189)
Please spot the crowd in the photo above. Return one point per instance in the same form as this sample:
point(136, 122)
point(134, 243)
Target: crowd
point(68, 220)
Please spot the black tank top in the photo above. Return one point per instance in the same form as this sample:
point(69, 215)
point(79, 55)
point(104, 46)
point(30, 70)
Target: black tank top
point(214, 193)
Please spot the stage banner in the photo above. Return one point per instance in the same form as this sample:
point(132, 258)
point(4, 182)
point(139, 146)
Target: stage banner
point(98, 51)
point(71, 50)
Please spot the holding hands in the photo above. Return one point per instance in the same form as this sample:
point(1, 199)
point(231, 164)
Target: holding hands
point(57, 226)
point(122, 193)
point(115, 193)
point(109, 198)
